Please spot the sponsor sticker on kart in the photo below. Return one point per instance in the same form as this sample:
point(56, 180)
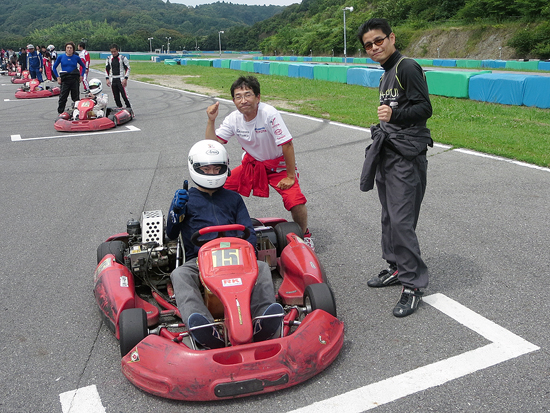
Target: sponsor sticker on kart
point(107, 263)
point(232, 282)
point(124, 281)
point(134, 356)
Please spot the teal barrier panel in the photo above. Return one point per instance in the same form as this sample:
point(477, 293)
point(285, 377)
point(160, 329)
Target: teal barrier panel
point(493, 64)
point(320, 72)
point(444, 62)
point(468, 63)
point(226, 63)
point(337, 60)
point(530, 65)
point(425, 62)
point(247, 66)
point(170, 62)
point(450, 83)
point(338, 74)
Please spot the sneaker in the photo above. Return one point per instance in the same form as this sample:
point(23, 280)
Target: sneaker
point(309, 240)
point(385, 278)
point(269, 323)
point(408, 303)
point(206, 336)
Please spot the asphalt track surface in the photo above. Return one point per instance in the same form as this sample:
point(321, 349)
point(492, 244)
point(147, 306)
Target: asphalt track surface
point(479, 341)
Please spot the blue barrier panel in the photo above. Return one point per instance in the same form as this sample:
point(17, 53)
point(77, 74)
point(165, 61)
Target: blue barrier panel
point(308, 59)
point(293, 70)
point(364, 77)
point(257, 67)
point(306, 70)
point(494, 64)
point(444, 62)
point(265, 69)
point(505, 88)
point(544, 66)
point(536, 92)
point(217, 63)
point(235, 64)
point(293, 58)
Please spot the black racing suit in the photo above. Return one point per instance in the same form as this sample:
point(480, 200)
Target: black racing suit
point(116, 69)
point(402, 165)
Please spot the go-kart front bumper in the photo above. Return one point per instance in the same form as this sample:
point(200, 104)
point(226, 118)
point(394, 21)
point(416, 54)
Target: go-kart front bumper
point(169, 369)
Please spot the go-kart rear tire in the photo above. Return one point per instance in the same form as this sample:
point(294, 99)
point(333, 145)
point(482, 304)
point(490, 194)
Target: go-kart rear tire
point(320, 297)
point(111, 247)
point(281, 231)
point(132, 328)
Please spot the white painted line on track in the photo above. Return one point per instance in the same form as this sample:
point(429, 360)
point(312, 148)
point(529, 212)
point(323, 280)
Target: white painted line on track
point(498, 158)
point(18, 138)
point(83, 400)
point(505, 346)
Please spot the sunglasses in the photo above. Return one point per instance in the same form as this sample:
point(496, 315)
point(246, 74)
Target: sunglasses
point(377, 42)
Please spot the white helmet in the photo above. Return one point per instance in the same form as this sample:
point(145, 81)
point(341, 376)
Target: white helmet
point(95, 86)
point(208, 152)
point(50, 47)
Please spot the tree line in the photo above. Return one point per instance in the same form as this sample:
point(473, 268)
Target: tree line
point(310, 27)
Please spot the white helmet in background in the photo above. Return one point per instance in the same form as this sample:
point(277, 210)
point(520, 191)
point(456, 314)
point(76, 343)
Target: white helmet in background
point(204, 153)
point(95, 86)
point(50, 48)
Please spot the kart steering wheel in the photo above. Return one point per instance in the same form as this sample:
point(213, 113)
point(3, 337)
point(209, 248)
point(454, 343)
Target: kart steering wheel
point(220, 229)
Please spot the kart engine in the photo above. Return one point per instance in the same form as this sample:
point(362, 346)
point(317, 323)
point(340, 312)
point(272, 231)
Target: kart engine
point(148, 253)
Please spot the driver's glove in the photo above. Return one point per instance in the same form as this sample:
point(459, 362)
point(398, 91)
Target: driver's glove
point(179, 203)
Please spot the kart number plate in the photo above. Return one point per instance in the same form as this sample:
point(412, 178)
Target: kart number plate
point(225, 257)
point(247, 386)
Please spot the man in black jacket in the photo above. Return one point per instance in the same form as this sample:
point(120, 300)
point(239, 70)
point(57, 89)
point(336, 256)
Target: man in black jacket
point(401, 144)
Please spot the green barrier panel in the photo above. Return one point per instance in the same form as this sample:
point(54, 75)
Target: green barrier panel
point(226, 63)
point(338, 74)
point(360, 60)
point(468, 63)
point(279, 68)
point(94, 56)
point(205, 62)
point(530, 65)
point(300, 59)
point(170, 62)
point(247, 66)
point(337, 59)
point(425, 62)
point(320, 72)
point(449, 83)
point(286, 58)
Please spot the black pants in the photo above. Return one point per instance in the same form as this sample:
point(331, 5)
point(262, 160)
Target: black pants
point(118, 90)
point(70, 83)
point(401, 185)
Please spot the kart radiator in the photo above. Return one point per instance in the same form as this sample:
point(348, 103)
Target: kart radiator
point(152, 227)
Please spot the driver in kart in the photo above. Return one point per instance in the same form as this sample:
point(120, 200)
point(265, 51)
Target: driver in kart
point(210, 204)
point(101, 100)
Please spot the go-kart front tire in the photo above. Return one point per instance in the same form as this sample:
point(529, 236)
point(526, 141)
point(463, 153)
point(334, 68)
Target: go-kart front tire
point(320, 297)
point(282, 230)
point(132, 328)
point(112, 247)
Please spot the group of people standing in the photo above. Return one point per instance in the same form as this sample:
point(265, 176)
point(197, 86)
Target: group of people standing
point(396, 161)
point(70, 69)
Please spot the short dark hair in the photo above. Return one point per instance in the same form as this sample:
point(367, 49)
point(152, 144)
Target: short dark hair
point(246, 82)
point(374, 24)
point(114, 46)
point(82, 44)
point(69, 43)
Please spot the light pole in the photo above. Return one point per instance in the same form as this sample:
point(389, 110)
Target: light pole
point(168, 46)
point(345, 42)
point(150, 46)
point(220, 40)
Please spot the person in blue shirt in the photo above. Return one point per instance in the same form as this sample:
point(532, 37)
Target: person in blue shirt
point(209, 204)
point(35, 63)
point(69, 77)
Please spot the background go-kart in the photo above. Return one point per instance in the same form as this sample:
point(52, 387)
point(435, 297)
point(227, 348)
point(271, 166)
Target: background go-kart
point(483, 230)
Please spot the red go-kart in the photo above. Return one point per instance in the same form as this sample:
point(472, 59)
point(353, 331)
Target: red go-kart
point(21, 78)
point(33, 90)
point(86, 120)
point(136, 299)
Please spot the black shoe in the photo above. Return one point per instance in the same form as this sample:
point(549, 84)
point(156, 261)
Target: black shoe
point(408, 303)
point(206, 336)
point(385, 278)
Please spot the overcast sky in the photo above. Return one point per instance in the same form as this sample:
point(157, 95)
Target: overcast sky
point(249, 2)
